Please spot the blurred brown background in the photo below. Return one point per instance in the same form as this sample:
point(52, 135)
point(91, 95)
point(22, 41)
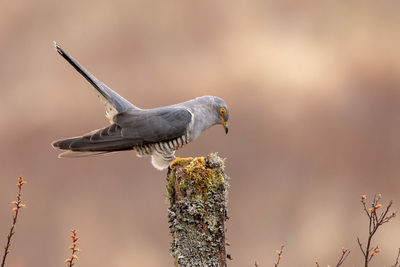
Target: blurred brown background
point(314, 95)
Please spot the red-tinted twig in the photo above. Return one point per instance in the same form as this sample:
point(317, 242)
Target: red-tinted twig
point(18, 205)
point(74, 248)
point(279, 253)
point(376, 220)
point(396, 264)
point(345, 254)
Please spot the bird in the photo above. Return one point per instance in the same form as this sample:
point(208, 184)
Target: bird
point(156, 132)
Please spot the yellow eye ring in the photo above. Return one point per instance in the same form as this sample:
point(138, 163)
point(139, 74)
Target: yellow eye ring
point(222, 111)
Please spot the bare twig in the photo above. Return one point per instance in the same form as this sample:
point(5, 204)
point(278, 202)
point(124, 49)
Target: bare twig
point(18, 205)
point(345, 254)
point(396, 264)
point(360, 245)
point(343, 257)
point(74, 248)
point(375, 221)
point(279, 253)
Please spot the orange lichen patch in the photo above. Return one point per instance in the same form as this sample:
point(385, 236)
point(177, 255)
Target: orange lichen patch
point(180, 161)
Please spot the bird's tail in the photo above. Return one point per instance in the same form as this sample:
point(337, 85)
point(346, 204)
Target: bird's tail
point(120, 103)
point(82, 147)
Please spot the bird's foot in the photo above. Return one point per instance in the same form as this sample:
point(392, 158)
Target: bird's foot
point(177, 160)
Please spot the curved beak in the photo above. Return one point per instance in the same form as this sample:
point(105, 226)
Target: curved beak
point(225, 125)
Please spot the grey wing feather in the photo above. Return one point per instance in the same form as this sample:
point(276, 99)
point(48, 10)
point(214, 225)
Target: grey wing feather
point(114, 103)
point(155, 125)
point(133, 128)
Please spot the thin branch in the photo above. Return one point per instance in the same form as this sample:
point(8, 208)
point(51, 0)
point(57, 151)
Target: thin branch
point(343, 257)
point(74, 248)
point(279, 253)
point(360, 245)
point(363, 197)
point(375, 221)
point(396, 264)
point(374, 251)
point(18, 205)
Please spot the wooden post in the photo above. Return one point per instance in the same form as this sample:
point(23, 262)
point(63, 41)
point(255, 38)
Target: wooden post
point(197, 193)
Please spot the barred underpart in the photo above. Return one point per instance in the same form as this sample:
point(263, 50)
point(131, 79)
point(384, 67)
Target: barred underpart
point(162, 148)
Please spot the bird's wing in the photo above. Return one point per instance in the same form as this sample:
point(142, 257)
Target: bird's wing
point(155, 125)
point(113, 102)
point(133, 128)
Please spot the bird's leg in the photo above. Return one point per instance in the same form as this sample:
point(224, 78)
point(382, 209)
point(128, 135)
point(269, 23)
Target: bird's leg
point(177, 159)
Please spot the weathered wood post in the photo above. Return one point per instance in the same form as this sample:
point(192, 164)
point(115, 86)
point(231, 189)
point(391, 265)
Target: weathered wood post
point(197, 193)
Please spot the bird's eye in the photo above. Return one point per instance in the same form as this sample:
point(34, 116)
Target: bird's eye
point(222, 111)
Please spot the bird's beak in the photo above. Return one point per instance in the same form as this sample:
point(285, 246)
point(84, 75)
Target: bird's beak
point(225, 125)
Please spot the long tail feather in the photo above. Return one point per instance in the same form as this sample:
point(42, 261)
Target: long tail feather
point(80, 154)
point(117, 101)
point(83, 144)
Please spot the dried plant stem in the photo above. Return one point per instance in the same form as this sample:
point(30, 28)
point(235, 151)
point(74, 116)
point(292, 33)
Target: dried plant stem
point(18, 205)
point(279, 253)
point(375, 221)
point(74, 248)
point(345, 254)
point(343, 257)
point(396, 264)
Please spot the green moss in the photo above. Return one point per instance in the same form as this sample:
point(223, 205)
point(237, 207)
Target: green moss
point(202, 177)
point(183, 185)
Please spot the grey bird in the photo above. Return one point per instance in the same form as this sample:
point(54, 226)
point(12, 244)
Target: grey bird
point(156, 132)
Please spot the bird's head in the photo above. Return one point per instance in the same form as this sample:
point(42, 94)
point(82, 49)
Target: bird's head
point(222, 112)
point(214, 111)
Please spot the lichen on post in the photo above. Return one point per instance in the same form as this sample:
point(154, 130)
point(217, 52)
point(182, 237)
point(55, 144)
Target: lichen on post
point(197, 194)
